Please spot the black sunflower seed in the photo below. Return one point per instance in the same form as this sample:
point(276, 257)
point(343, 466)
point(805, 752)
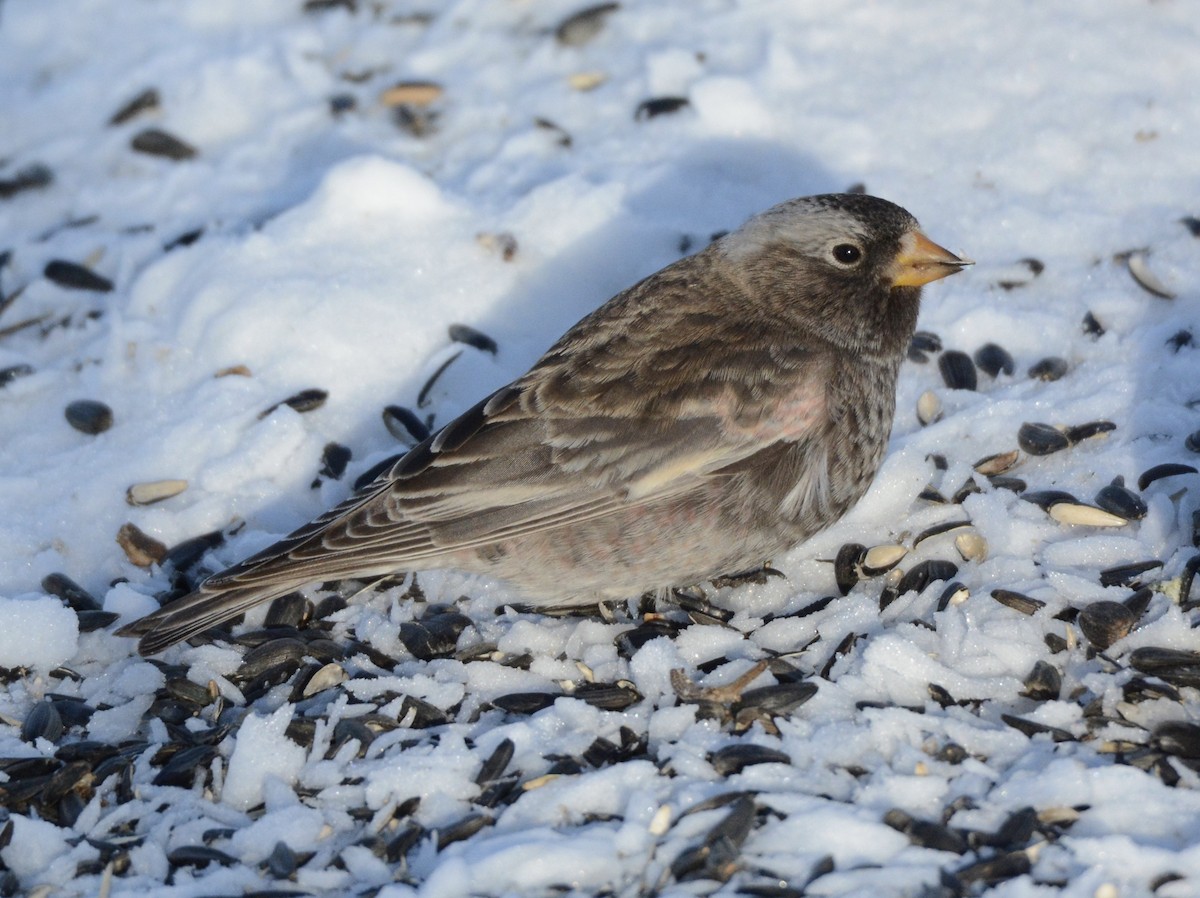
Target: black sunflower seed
point(1175, 666)
point(1104, 622)
point(579, 28)
point(281, 862)
point(846, 566)
point(334, 459)
point(292, 610)
point(1049, 369)
point(143, 102)
point(958, 371)
point(89, 416)
point(1187, 578)
point(925, 833)
point(648, 109)
point(462, 333)
point(1047, 499)
point(1177, 737)
point(76, 597)
point(926, 572)
point(1041, 439)
point(462, 829)
point(157, 142)
point(926, 341)
point(199, 856)
point(1091, 326)
point(278, 657)
point(42, 722)
point(1120, 500)
point(737, 757)
point(993, 359)
point(1180, 340)
point(73, 276)
point(1080, 432)
point(1192, 443)
point(31, 177)
point(525, 702)
point(13, 372)
point(779, 699)
point(1018, 601)
point(493, 768)
point(1158, 472)
point(304, 401)
point(608, 696)
point(180, 769)
point(1127, 574)
point(1043, 683)
point(1032, 728)
point(718, 856)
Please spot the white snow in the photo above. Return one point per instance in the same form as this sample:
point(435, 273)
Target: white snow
point(332, 250)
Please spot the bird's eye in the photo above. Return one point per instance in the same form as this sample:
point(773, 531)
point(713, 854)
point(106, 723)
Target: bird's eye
point(847, 254)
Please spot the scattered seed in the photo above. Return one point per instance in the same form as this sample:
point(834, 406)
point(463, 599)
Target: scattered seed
point(1085, 515)
point(955, 593)
point(1041, 439)
point(608, 696)
point(581, 27)
point(462, 333)
point(929, 571)
point(846, 569)
point(994, 360)
point(404, 425)
point(1139, 267)
point(585, 81)
point(1128, 574)
point(1192, 223)
point(146, 101)
point(657, 106)
point(737, 757)
point(929, 408)
point(991, 465)
point(140, 548)
point(1032, 728)
point(1092, 326)
point(1044, 683)
point(292, 610)
point(890, 591)
point(1018, 601)
point(326, 677)
point(411, 93)
point(926, 834)
point(1104, 622)
point(304, 401)
point(1176, 666)
point(1033, 268)
point(1013, 484)
point(525, 702)
point(1049, 369)
point(1080, 432)
point(423, 395)
point(154, 491)
point(926, 341)
point(1177, 737)
point(31, 177)
point(1120, 500)
point(1180, 340)
point(74, 276)
point(958, 371)
point(42, 722)
point(156, 142)
point(76, 597)
point(971, 546)
point(938, 530)
point(334, 459)
point(13, 372)
point(1158, 472)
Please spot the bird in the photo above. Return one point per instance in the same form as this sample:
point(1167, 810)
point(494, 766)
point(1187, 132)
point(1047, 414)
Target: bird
point(701, 422)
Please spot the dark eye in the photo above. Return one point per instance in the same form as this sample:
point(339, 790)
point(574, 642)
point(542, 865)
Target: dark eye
point(847, 253)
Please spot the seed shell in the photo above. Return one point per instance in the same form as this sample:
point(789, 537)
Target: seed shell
point(1139, 268)
point(140, 548)
point(1158, 472)
point(1041, 439)
point(154, 491)
point(156, 142)
point(1049, 369)
point(994, 359)
point(581, 27)
point(74, 276)
point(89, 416)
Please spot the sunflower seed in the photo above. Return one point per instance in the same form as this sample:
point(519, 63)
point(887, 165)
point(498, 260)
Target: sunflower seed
point(958, 371)
point(156, 142)
point(73, 276)
point(146, 101)
point(991, 465)
point(1104, 622)
point(140, 548)
point(993, 359)
point(42, 722)
point(1033, 728)
point(404, 425)
point(1047, 499)
point(1158, 472)
point(971, 546)
point(938, 530)
point(955, 593)
point(926, 341)
point(1041, 439)
point(76, 597)
point(1080, 432)
point(13, 372)
point(1192, 443)
point(1177, 737)
point(1049, 369)
point(737, 757)
point(1139, 267)
point(929, 407)
point(608, 696)
point(1033, 268)
point(304, 401)
point(461, 333)
point(929, 571)
point(412, 93)
point(334, 458)
point(1127, 574)
point(926, 834)
point(881, 559)
point(89, 416)
point(1092, 326)
point(154, 491)
point(281, 862)
point(31, 177)
point(1001, 482)
point(1180, 340)
point(326, 677)
point(1043, 683)
point(423, 395)
point(1018, 601)
point(199, 856)
point(1120, 500)
point(1085, 515)
point(581, 27)
point(657, 106)
point(508, 243)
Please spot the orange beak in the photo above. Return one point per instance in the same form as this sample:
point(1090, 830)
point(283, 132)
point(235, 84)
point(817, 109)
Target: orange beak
point(921, 261)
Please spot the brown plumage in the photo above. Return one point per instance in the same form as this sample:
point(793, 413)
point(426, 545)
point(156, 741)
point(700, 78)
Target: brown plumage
point(706, 419)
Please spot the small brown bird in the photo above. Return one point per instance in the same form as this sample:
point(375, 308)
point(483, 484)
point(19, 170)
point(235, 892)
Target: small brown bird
point(702, 421)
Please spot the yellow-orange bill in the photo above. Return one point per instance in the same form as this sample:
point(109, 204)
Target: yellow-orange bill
point(921, 261)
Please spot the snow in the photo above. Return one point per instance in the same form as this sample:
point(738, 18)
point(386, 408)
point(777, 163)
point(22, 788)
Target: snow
point(332, 250)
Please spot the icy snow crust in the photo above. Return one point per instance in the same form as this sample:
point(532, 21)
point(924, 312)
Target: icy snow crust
point(332, 250)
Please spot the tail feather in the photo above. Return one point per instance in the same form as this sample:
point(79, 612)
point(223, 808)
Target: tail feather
point(197, 612)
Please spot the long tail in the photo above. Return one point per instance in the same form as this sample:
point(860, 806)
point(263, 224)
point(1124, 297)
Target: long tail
point(199, 610)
